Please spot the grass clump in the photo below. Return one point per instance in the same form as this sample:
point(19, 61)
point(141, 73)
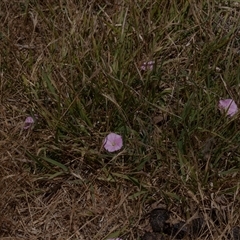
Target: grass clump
point(76, 67)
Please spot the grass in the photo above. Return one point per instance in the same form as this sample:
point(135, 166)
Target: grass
point(76, 65)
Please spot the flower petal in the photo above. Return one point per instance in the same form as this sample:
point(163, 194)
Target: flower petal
point(113, 142)
point(147, 65)
point(228, 106)
point(29, 121)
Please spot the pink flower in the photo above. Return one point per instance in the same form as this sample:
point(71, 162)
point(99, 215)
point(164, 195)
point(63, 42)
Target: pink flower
point(228, 106)
point(29, 121)
point(113, 142)
point(147, 65)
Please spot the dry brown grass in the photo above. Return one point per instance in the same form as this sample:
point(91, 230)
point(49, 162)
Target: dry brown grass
point(101, 195)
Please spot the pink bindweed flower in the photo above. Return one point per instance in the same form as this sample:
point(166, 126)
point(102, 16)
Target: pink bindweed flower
point(147, 65)
point(228, 106)
point(29, 121)
point(113, 142)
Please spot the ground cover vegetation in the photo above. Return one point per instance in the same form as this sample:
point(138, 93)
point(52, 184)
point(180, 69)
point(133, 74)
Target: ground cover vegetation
point(152, 72)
